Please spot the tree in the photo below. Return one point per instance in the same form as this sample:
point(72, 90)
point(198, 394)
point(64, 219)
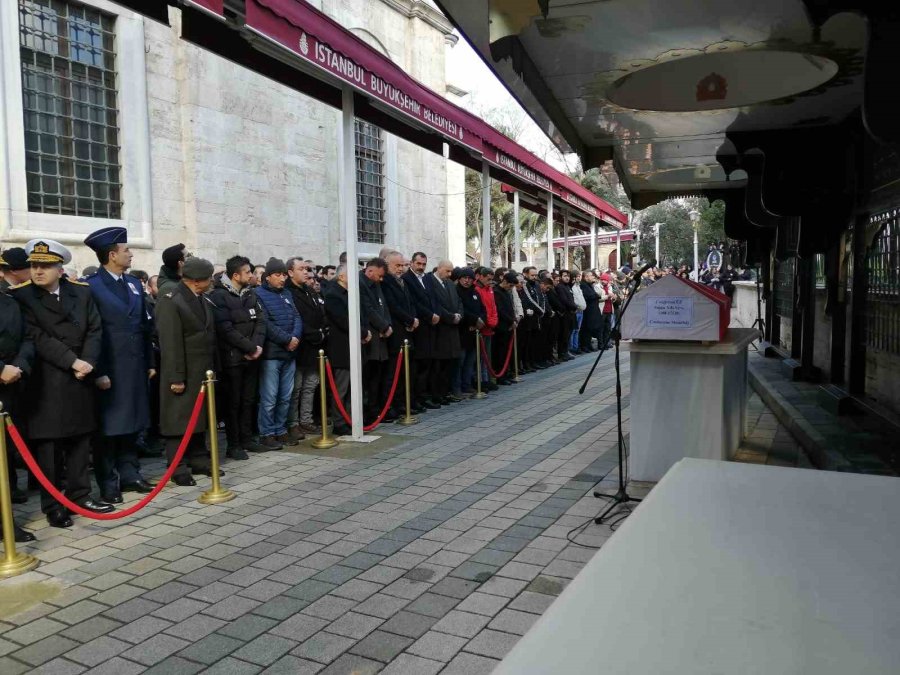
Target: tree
point(676, 238)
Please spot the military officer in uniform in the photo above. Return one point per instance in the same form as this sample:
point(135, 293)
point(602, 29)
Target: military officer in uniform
point(125, 368)
point(15, 268)
point(16, 357)
point(65, 326)
point(187, 343)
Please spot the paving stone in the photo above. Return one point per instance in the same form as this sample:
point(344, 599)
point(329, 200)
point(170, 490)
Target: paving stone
point(409, 624)
point(512, 621)
point(470, 664)
point(132, 610)
point(180, 609)
point(490, 556)
point(475, 571)
point(174, 665)
point(361, 560)
point(508, 588)
point(454, 587)
point(310, 590)
point(155, 649)
point(280, 607)
point(299, 627)
point(437, 646)
point(204, 576)
point(246, 576)
point(336, 574)
point(381, 646)
point(58, 666)
point(34, 631)
point(231, 608)
point(211, 648)
point(8, 666)
point(117, 666)
point(45, 650)
point(354, 625)
point(248, 627)
point(382, 574)
point(97, 651)
point(265, 650)
point(431, 604)
point(196, 627)
point(351, 663)
point(462, 624)
point(79, 612)
point(408, 664)
point(323, 647)
point(97, 626)
point(382, 606)
point(330, 607)
point(492, 643)
point(232, 666)
point(142, 629)
point(546, 585)
point(483, 603)
point(291, 665)
point(528, 601)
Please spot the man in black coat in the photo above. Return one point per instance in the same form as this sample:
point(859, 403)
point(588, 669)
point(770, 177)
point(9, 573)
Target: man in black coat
point(446, 349)
point(569, 309)
point(534, 306)
point(375, 353)
point(337, 314)
point(422, 292)
point(311, 307)
point(240, 334)
point(187, 341)
point(592, 317)
point(474, 318)
point(405, 323)
point(65, 326)
point(552, 318)
point(16, 358)
point(506, 323)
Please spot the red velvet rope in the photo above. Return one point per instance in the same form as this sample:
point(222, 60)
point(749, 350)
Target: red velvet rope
point(115, 515)
point(340, 404)
point(487, 359)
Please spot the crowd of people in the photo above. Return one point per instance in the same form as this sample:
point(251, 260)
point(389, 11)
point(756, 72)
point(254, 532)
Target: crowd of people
point(103, 368)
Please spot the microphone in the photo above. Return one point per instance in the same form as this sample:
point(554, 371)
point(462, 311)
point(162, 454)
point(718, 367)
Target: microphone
point(646, 267)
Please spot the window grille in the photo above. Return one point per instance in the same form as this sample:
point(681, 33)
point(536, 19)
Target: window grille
point(883, 287)
point(369, 182)
point(784, 288)
point(70, 109)
point(820, 270)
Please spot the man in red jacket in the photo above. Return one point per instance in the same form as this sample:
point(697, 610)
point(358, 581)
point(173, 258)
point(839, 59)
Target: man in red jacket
point(484, 281)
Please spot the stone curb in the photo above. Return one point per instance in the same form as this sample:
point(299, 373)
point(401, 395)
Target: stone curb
point(813, 443)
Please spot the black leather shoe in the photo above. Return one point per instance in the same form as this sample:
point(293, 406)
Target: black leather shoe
point(59, 519)
point(142, 486)
point(431, 406)
point(205, 470)
point(19, 497)
point(97, 506)
point(184, 480)
point(391, 416)
point(22, 536)
point(113, 499)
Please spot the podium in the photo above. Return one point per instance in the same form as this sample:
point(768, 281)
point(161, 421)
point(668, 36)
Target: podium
point(688, 376)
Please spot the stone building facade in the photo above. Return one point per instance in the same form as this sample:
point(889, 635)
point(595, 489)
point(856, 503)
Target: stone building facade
point(110, 118)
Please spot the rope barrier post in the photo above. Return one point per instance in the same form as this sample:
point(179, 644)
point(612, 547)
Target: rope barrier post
point(478, 393)
point(325, 441)
point(515, 339)
point(408, 419)
point(216, 494)
point(13, 563)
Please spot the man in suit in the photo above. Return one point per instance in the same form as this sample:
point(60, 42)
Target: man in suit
point(186, 325)
point(63, 322)
point(425, 304)
point(473, 318)
point(311, 308)
point(445, 349)
point(16, 358)
point(375, 353)
point(404, 322)
point(125, 368)
point(506, 324)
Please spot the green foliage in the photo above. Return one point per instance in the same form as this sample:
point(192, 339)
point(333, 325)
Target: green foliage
point(676, 239)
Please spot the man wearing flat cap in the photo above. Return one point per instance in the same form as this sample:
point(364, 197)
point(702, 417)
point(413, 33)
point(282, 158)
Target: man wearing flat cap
point(65, 326)
point(15, 268)
point(126, 365)
point(186, 326)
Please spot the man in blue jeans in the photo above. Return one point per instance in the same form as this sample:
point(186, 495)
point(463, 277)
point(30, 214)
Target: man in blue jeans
point(276, 375)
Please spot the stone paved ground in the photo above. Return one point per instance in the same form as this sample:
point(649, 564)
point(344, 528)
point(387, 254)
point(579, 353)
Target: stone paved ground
point(433, 556)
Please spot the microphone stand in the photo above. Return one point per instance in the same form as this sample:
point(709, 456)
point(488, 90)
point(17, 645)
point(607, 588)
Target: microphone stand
point(621, 496)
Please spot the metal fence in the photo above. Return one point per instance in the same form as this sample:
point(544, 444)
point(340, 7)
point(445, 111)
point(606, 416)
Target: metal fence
point(883, 287)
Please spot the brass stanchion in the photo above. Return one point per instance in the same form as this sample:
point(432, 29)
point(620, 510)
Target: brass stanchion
point(478, 393)
point(13, 563)
point(408, 419)
point(216, 494)
point(326, 440)
point(515, 336)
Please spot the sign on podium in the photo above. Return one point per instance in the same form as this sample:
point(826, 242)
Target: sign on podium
point(677, 309)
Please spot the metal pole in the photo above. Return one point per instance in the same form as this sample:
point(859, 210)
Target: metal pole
point(566, 238)
point(13, 563)
point(216, 493)
point(657, 226)
point(549, 230)
point(593, 242)
point(408, 419)
point(516, 377)
point(618, 249)
point(325, 441)
point(696, 256)
point(347, 209)
point(514, 263)
point(485, 214)
point(478, 393)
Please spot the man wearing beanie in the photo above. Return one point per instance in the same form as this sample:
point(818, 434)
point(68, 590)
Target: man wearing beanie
point(187, 343)
point(170, 273)
point(15, 267)
point(284, 328)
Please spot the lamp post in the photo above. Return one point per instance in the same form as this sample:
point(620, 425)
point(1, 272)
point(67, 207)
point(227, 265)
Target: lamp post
point(695, 221)
point(656, 227)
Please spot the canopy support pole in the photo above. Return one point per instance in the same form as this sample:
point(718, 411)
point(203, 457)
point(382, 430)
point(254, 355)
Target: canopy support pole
point(566, 238)
point(593, 242)
point(514, 263)
point(485, 214)
point(618, 250)
point(549, 231)
point(347, 210)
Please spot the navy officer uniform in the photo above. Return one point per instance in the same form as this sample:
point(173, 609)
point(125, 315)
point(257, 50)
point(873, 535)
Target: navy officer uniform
point(62, 321)
point(125, 368)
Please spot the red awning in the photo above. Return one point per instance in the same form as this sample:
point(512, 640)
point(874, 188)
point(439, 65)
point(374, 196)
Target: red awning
point(214, 7)
point(326, 47)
